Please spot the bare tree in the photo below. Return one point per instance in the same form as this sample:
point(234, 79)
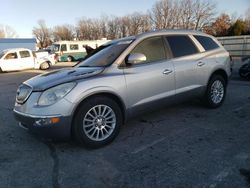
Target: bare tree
point(137, 23)
point(42, 33)
point(247, 21)
point(113, 27)
point(172, 14)
point(204, 11)
point(90, 29)
point(82, 29)
point(124, 26)
point(7, 32)
point(186, 14)
point(161, 14)
point(63, 32)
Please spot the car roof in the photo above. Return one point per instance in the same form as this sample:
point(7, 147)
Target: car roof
point(16, 49)
point(170, 32)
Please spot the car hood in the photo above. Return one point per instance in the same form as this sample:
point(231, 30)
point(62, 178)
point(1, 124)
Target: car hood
point(51, 79)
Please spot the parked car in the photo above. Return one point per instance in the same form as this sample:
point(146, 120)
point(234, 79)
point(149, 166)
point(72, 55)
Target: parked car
point(20, 59)
point(120, 79)
point(244, 70)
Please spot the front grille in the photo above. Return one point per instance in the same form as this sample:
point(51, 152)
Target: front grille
point(23, 93)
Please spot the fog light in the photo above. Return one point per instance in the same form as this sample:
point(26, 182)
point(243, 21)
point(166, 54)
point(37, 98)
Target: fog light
point(46, 121)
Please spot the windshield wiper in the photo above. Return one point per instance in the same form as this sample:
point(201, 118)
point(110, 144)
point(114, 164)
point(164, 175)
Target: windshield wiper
point(85, 66)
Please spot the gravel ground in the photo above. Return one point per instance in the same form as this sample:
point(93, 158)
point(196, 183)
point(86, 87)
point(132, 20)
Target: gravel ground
point(184, 145)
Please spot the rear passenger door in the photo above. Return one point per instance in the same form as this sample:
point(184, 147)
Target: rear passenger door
point(210, 56)
point(187, 63)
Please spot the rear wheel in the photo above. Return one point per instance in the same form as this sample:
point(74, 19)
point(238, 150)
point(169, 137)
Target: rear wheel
point(243, 72)
point(70, 58)
point(97, 122)
point(45, 66)
point(216, 92)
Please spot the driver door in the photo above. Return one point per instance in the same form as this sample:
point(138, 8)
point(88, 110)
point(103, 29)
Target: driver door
point(10, 62)
point(151, 81)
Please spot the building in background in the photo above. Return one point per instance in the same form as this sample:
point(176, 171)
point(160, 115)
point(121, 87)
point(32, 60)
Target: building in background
point(8, 43)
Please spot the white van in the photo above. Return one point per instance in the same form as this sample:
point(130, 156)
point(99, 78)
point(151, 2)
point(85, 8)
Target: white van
point(74, 50)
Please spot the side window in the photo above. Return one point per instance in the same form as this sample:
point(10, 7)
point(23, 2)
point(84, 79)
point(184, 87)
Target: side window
point(24, 54)
point(181, 45)
point(207, 42)
point(63, 47)
point(11, 56)
point(152, 48)
point(73, 47)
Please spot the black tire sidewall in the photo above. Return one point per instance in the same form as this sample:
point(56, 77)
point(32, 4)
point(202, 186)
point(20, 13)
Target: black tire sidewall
point(69, 59)
point(242, 69)
point(208, 99)
point(78, 131)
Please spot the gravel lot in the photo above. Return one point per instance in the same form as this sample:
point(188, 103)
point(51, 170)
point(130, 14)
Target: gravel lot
point(185, 145)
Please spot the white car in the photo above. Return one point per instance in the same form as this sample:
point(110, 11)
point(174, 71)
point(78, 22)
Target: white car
point(20, 59)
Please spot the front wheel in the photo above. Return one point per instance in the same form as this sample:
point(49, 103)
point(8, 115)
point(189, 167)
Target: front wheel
point(216, 92)
point(97, 122)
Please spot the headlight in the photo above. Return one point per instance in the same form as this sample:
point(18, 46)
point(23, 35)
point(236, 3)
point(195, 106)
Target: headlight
point(54, 94)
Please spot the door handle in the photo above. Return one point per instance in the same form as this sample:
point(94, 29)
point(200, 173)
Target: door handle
point(167, 71)
point(200, 64)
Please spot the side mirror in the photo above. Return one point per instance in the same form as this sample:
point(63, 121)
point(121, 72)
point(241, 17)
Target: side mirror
point(135, 58)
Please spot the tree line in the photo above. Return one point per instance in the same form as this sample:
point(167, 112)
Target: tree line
point(172, 14)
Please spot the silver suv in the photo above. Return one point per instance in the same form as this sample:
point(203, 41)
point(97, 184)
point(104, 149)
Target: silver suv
point(91, 101)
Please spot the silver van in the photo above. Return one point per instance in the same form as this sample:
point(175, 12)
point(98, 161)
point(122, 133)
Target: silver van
point(122, 78)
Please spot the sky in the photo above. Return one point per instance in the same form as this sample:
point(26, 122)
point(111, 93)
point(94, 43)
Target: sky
point(22, 15)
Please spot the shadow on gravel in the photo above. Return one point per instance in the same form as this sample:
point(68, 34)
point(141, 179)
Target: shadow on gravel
point(245, 173)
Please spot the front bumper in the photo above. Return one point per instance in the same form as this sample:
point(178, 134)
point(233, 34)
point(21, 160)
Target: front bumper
point(53, 127)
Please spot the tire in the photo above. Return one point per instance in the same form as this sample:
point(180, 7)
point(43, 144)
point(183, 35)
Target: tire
point(45, 66)
point(1, 71)
point(97, 122)
point(70, 58)
point(243, 72)
point(216, 92)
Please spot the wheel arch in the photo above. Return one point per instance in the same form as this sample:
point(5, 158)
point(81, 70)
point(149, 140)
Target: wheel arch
point(220, 72)
point(112, 96)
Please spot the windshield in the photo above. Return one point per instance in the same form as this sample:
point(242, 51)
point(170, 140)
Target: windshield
point(105, 54)
point(2, 54)
point(54, 47)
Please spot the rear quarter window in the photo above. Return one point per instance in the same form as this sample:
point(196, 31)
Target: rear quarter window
point(207, 42)
point(181, 45)
point(24, 54)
